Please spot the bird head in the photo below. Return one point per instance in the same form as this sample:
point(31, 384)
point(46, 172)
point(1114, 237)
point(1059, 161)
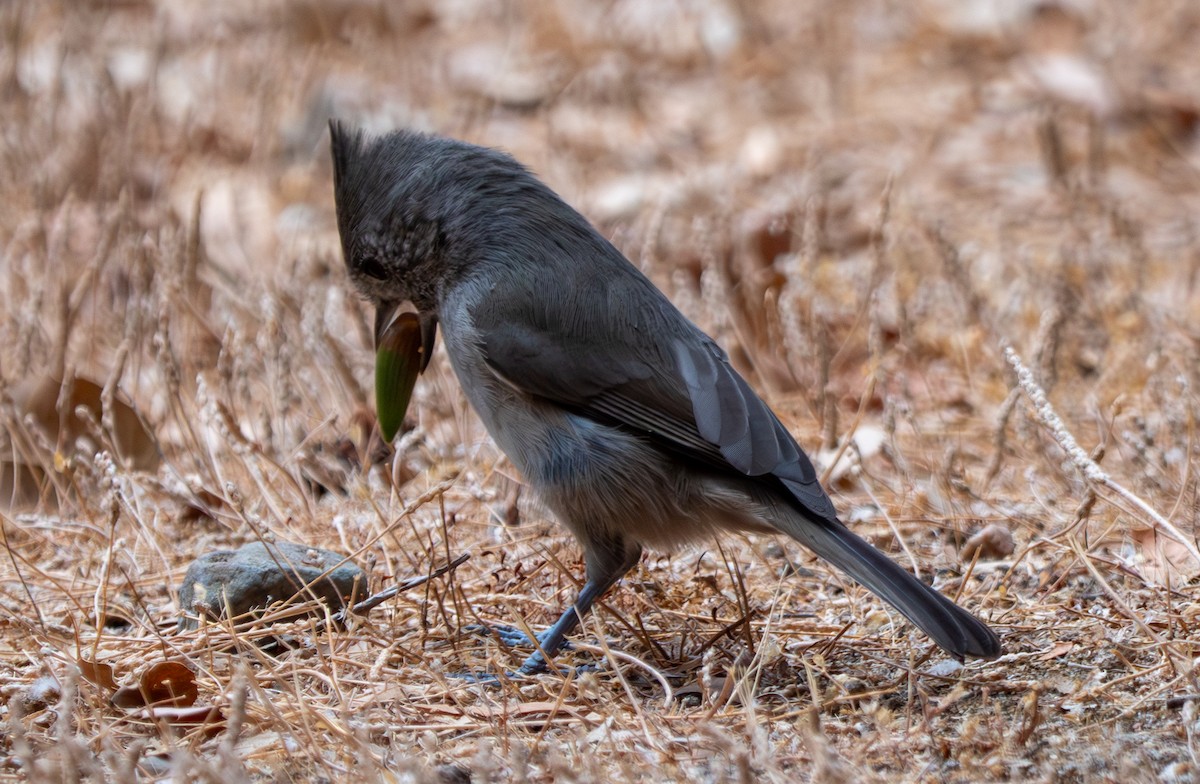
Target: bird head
point(392, 245)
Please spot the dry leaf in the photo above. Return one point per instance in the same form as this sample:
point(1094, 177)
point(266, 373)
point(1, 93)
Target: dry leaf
point(1061, 649)
point(990, 542)
point(22, 476)
point(165, 684)
point(21, 485)
point(1164, 559)
point(195, 714)
point(98, 673)
point(132, 439)
point(549, 707)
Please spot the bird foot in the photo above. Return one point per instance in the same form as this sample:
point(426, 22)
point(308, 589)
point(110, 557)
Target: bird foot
point(511, 636)
point(522, 673)
point(516, 638)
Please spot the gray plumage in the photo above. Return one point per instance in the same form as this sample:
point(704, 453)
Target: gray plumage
point(626, 419)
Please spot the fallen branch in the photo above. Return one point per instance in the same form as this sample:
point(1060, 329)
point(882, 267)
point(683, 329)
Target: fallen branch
point(1090, 469)
point(374, 600)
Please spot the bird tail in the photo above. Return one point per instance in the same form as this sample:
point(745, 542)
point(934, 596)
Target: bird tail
point(953, 628)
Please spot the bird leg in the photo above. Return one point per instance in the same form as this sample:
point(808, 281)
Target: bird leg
point(607, 562)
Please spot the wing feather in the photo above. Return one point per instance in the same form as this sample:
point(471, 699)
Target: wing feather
point(662, 377)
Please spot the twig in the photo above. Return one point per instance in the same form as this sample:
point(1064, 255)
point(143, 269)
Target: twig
point(373, 601)
point(1088, 467)
point(604, 650)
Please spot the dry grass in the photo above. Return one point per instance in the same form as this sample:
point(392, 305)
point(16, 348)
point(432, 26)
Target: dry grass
point(864, 201)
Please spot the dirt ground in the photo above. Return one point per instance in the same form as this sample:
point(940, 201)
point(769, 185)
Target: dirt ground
point(866, 202)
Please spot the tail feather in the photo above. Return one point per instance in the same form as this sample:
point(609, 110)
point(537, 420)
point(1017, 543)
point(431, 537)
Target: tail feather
point(951, 627)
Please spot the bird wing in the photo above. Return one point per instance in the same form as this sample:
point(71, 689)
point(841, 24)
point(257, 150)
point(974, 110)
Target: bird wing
point(627, 357)
point(612, 348)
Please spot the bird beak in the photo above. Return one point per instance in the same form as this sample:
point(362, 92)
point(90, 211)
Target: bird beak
point(385, 313)
point(403, 345)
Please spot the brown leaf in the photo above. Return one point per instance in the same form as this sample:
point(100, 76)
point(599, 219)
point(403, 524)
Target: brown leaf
point(21, 485)
point(1061, 649)
point(98, 673)
point(165, 684)
point(169, 683)
point(128, 697)
point(23, 475)
point(38, 397)
point(194, 714)
point(549, 707)
point(1164, 559)
point(209, 718)
point(990, 542)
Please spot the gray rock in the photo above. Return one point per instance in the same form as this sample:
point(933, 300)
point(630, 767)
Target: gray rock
point(257, 575)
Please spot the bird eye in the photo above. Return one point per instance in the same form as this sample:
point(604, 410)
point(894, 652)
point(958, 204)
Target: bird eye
point(371, 267)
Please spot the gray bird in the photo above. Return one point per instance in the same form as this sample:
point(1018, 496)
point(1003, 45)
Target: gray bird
point(626, 419)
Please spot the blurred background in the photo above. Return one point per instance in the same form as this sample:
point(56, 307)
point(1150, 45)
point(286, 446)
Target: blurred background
point(965, 165)
point(862, 201)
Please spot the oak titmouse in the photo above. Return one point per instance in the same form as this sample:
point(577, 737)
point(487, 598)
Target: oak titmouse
point(626, 419)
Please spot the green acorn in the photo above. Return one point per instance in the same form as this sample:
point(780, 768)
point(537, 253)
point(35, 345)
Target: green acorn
point(400, 356)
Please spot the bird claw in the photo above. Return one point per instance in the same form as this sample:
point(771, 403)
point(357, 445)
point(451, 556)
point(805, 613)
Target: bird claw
point(522, 673)
point(478, 678)
point(516, 638)
point(510, 636)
